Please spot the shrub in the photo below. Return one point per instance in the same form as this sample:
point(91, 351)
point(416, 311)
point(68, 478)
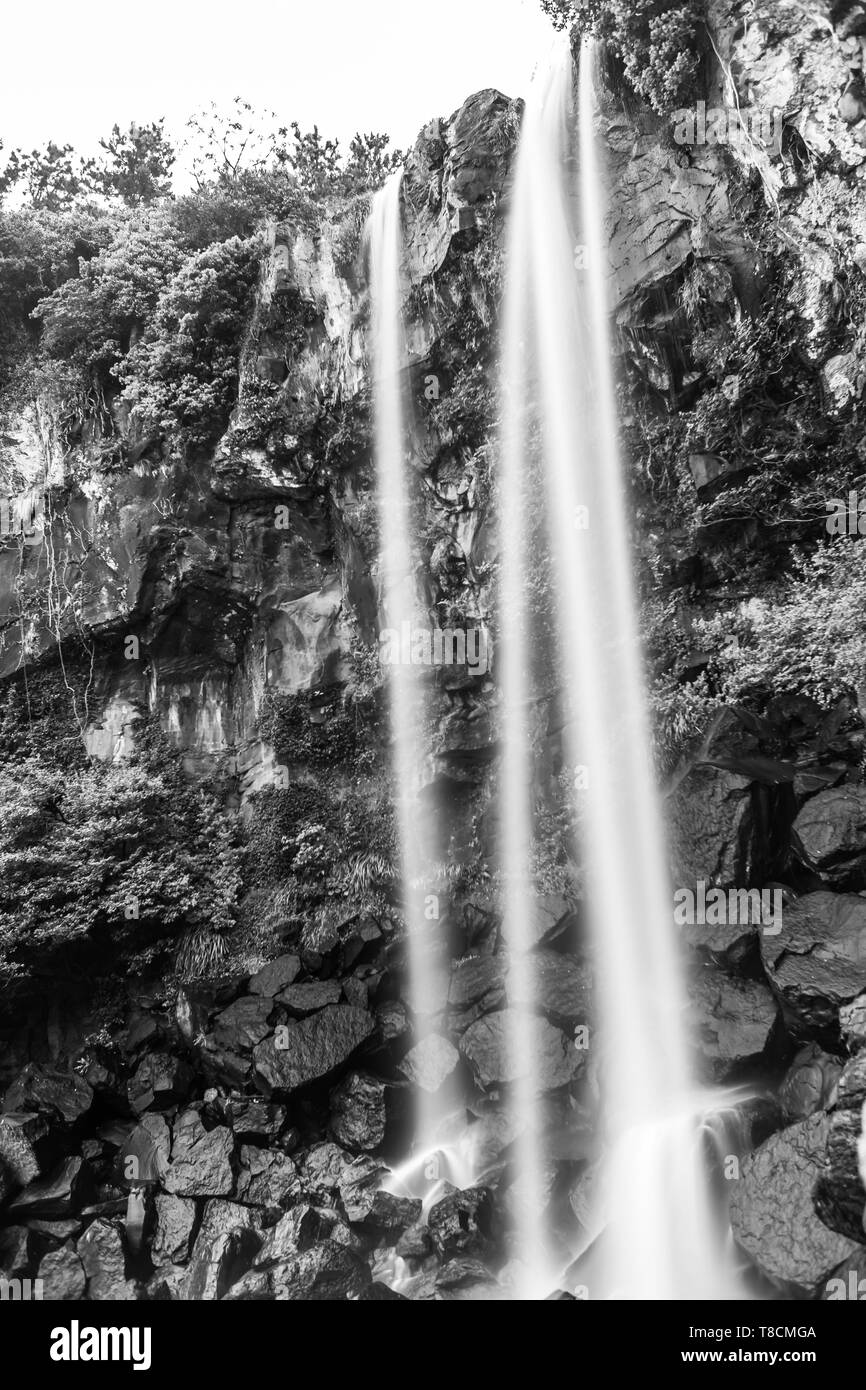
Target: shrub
point(656, 41)
point(124, 857)
point(182, 375)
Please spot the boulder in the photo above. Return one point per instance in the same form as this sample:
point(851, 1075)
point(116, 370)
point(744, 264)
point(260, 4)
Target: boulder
point(301, 1000)
point(488, 1046)
point(160, 1080)
point(852, 1020)
point(19, 1164)
point(829, 835)
point(254, 1119)
point(327, 1272)
point(840, 1195)
point(100, 1250)
point(175, 1219)
point(200, 1165)
point(772, 1214)
point(476, 977)
point(430, 1062)
point(389, 1216)
point(817, 962)
point(810, 1083)
point(467, 1280)
point(54, 1195)
point(463, 1223)
point(244, 1023)
point(298, 1230)
point(266, 1178)
point(731, 1019)
point(228, 1241)
point(314, 1047)
point(712, 829)
point(62, 1275)
point(15, 1251)
point(358, 1112)
point(557, 984)
point(275, 976)
point(57, 1094)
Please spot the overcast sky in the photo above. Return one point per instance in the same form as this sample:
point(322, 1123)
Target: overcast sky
point(72, 69)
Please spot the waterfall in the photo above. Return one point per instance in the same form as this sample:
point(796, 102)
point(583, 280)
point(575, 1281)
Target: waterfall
point(655, 1232)
point(660, 1238)
point(402, 610)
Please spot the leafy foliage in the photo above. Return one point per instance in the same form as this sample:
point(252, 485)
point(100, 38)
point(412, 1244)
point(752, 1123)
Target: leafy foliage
point(656, 40)
point(182, 375)
point(125, 857)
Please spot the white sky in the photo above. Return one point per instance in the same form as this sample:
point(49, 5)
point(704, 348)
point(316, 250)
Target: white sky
point(72, 69)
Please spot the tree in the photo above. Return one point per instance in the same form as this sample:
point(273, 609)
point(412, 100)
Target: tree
point(656, 40)
point(125, 857)
point(370, 162)
point(138, 164)
point(53, 178)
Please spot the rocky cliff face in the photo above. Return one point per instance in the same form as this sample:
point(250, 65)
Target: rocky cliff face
point(268, 1101)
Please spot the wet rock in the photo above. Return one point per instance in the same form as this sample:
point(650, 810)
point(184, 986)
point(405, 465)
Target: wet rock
point(772, 1214)
point(313, 1047)
point(200, 1164)
point(62, 1275)
point(732, 1020)
point(254, 1119)
point(19, 1164)
point(389, 1216)
point(463, 1223)
point(266, 1178)
point(415, 1243)
point(430, 1062)
point(276, 975)
point(299, 1230)
point(392, 1020)
point(327, 1272)
point(301, 1000)
point(175, 1218)
point(224, 1249)
point(817, 962)
point(358, 1112)
point(840, 1196)
point(852, 1020)
point(244, 1023)
point(54, 1195)
point(829, 835)
point(59, 1094)
point(713, 834)
point(810, 1083)
point(472, 979)
point(489, 1049)
point(464, 1280)
point(14, 1251)
point(100, 1250)
point(327, 1172)
point(558, 984)
point(160, 1080)
point(357, 992)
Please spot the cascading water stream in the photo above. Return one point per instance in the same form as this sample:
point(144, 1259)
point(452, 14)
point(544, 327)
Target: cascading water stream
point(661, 1238)
point(400, 601)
